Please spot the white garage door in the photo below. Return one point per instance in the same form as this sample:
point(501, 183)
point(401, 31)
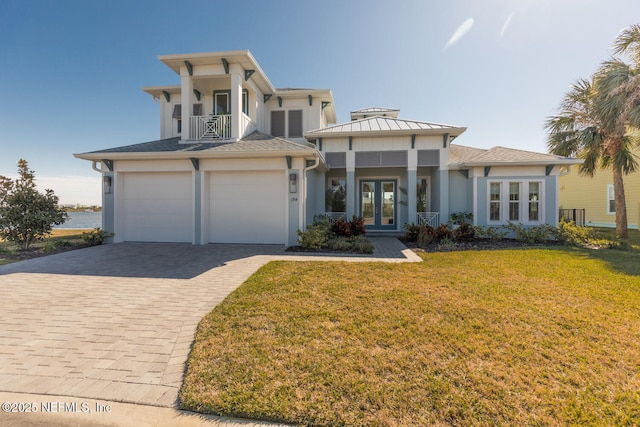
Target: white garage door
point(247, 207)
point(157, 207)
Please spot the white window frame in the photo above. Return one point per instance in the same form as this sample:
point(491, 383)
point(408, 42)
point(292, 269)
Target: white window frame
point(611, 196)
point(523, 202)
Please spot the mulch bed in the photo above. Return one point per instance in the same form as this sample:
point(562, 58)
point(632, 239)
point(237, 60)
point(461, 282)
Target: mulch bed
point(19, 255)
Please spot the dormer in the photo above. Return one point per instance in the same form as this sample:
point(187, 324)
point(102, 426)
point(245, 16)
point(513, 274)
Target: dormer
point(374, 111)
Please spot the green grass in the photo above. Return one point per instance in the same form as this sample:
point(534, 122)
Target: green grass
point(520, 337)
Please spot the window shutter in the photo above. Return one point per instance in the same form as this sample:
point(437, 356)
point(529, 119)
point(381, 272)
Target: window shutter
point(295, 123)
point(277, 123)
point(177, 111)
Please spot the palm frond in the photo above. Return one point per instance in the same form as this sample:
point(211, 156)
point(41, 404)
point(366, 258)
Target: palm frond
point(628, 42)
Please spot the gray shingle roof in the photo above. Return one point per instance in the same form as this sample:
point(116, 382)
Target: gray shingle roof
point(460, 155)
point(256, 141)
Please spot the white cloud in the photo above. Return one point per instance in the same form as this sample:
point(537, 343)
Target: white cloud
point(459, 33)
point(506, 24)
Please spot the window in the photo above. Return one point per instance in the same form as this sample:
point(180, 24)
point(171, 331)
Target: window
point(422, 195)
point(534, 201)
point(277, 123)
point(611, 200)
point(336, 196)
point(494, 201)
point(222, 102)
point(517, 201)
point(514, 201)
point(295, 124)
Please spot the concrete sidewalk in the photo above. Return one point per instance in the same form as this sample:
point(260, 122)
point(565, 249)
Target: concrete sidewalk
point(115, 323)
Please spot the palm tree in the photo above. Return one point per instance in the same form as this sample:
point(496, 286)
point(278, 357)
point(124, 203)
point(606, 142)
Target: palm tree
point(597, 119)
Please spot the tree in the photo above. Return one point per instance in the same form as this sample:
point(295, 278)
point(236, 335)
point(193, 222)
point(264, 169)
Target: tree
point(598, 118)
point(27, 215)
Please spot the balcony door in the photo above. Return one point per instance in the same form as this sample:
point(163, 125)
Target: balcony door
point(222, 102)
point(378, 204)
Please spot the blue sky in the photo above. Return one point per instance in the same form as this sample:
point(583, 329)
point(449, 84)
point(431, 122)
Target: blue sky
point(72, 71)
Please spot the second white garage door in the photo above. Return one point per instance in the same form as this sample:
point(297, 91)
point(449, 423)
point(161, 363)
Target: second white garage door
point(247, 207)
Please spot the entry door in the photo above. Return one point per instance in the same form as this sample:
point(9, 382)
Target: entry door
point(378, 203)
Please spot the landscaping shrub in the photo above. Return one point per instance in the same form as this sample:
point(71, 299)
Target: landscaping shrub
point(460, 218)
point(362, 245)
point(443, 232)
point(340, 244)
point(533, 234)
point(426, 235)
point(352, 228)
point(95, 237)
point(571, 234)
point(317, 235)
point(342, 235)
point(411, 232)
point(465, 232)
point(492, 232)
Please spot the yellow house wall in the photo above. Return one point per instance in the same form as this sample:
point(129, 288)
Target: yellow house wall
point(583, 192)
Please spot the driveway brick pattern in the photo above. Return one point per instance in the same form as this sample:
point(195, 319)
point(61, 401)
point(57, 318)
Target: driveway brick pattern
point(116, 322)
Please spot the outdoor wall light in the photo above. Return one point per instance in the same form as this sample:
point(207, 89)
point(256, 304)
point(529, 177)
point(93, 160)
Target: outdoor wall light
point(106, 184)
point(293, 183)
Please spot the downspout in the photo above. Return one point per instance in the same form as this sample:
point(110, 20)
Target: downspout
point(94, 164)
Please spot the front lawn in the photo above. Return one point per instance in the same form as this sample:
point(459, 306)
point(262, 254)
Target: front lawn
point(517, 337)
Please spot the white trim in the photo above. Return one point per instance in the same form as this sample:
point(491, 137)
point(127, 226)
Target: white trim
point(610, 192)
point(523, 209)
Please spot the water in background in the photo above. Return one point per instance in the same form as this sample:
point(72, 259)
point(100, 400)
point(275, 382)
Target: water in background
point(82, 220)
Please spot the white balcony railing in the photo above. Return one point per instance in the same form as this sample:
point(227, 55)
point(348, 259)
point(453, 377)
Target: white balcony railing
point(218, 127)
point(428, 218)
point(334, 216)
point(210, 127)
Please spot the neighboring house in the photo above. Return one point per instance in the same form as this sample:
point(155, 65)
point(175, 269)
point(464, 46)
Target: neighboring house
point(240, 161)
point(595, 197)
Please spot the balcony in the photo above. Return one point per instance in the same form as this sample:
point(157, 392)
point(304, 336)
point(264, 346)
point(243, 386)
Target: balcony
point(218, 127)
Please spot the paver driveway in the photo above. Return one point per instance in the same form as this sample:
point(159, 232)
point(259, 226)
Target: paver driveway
point(116, 322)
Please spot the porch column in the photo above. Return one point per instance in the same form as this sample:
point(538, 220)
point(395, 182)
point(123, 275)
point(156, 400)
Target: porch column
point(412, 195)
point(352, 189)
point(236, 105)
point(412, 173)
point(186, 104)
point(197, 207)
point(444, 195)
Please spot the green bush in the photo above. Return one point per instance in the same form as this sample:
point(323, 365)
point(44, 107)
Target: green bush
point(533, 234)
point(411, 232)
point(95, 237)
point(426, 235)
point(491, 232)
point(460, 218)
point(362, 245)
point(340, 243)
point(317, 234)
point(571, 234)
point(465, 232)
point(443, 232)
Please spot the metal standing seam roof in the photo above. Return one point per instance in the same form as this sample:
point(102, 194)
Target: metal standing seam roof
point(460, 155)
point(384, 124)
point(255, 142)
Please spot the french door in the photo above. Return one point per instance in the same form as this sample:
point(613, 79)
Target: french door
point(378, 203)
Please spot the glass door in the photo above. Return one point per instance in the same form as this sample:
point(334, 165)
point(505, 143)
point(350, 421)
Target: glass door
point(378, 203)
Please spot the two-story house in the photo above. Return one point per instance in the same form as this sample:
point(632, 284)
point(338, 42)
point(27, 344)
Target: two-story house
point(240, 161)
